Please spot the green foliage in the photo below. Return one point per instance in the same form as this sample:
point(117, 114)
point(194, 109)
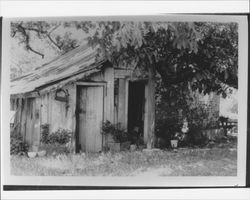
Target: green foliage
point(204, 54)
point(118, 134)
point(44, 31)
point(17, 144)
point(61, 136)
point(170, 106)
point(44, 133)
point(174, 105)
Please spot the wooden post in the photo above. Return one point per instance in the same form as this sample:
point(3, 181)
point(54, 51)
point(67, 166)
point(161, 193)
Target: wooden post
point(37, 124)
point(122, 101)
point(73, 97)
point(149, 121)
point(19, 115)
point(24, 118)
point(108, 99)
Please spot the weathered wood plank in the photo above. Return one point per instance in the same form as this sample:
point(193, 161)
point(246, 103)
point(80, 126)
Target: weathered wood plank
point(91, 83)
point(149, 123)
point(73, 106)
point(30, 120)
point(37, 123)
point(23, 118)
point(109, 96)
point(122, 101)
point(123, 73)
point(109, 99)
point(90, 118)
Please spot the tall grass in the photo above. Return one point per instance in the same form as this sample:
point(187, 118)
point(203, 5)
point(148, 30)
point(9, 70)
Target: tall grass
point(217, 161)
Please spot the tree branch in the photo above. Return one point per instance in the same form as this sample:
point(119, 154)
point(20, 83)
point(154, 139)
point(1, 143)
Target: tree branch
point(54, 28)
point(27, 40)
point(53, 42)
point(34, 51)
point(46, 33)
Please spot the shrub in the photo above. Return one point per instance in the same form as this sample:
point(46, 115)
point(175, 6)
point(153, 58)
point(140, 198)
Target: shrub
point(61, 136)
point(44, 133)
point(17, 145)
point(118, 134)
point(173, 105)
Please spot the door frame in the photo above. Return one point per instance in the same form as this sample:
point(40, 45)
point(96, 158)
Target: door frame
point(145, 118)
point(82, 85)
point(144, 83)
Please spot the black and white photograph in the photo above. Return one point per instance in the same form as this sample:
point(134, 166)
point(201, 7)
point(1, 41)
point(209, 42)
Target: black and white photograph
point(121, 97)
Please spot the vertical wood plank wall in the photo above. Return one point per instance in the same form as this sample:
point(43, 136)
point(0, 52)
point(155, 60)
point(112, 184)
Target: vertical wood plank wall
point(58, 114)
point(33, 112)
point(122, 101)
point(109, 99)
point(149, 123)
point(109, 94)
point(149, 116)
point(30, 121)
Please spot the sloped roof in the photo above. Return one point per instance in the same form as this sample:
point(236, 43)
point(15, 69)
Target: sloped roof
point(81, 60)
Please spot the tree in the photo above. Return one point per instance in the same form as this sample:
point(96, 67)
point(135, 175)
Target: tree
point(201, 56)
point(43, 31)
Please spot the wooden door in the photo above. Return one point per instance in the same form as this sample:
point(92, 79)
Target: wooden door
point(90, 117)
point(30, 121)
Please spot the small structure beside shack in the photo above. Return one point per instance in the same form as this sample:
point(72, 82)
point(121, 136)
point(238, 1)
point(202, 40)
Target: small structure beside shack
point(78, 92)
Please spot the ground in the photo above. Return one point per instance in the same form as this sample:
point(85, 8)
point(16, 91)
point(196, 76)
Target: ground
point(216, 160)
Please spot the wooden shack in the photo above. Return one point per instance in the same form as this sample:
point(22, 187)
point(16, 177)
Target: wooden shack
point(78, 92)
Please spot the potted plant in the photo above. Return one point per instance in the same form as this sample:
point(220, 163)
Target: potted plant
point(120, 139)
point(174, 129)
point(174, 141)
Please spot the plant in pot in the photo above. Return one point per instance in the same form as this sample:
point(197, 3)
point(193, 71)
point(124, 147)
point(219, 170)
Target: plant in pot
point(174, 140)
point(175, 134)
point(119, 136)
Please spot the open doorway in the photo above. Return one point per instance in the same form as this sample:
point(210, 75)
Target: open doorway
point(136, 107)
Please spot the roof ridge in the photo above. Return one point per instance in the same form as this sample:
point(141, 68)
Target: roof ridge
point(82, 47)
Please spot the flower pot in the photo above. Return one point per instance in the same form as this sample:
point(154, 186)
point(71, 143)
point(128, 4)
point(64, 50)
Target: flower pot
point(114, 147)
point(174, 143)
point(125, 146)
point(133, 147)
point(32, 154)
point(41, 153)
point(35, 148)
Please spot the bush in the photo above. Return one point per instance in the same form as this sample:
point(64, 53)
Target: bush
point(61, 136)
point(174, 104)
point(17, 145)
point(118, 134)
point(44, 133)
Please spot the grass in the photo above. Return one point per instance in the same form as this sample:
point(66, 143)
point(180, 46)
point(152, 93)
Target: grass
point(219, 160)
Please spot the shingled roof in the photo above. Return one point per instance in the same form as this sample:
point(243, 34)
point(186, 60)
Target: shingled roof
point(79, 63)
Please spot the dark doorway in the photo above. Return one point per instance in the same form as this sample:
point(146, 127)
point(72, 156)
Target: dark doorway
point(136, 107)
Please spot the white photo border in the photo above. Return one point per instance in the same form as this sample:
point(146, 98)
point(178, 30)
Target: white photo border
point(169, 181)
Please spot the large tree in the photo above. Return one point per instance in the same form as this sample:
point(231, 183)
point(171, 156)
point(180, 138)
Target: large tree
point(200, 55)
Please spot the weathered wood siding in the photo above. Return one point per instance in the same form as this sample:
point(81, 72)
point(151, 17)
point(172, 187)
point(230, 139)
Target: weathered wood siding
point(123, 77)
point(46, 110)
point(56, 113)
point(90, 117)
point(121, 107)
point(27, 119)
point(149, 120)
